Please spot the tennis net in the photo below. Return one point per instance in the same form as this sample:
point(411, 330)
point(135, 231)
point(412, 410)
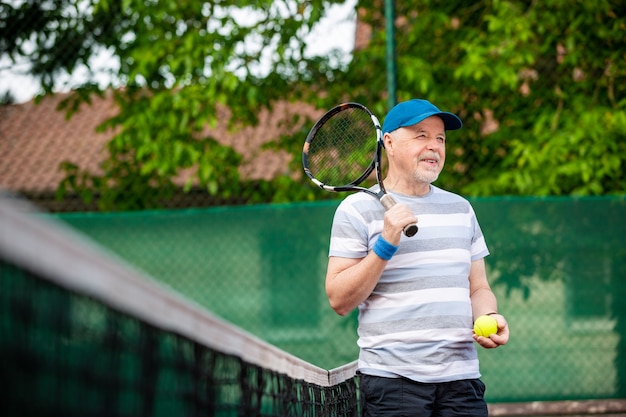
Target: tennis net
point(83, 333)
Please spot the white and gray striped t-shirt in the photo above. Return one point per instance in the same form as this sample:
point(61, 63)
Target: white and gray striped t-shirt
point(417, 323)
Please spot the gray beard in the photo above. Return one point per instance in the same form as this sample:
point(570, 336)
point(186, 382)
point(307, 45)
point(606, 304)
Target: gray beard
point(427, 177)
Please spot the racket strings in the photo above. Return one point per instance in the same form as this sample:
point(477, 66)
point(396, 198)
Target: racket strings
point(343, 148)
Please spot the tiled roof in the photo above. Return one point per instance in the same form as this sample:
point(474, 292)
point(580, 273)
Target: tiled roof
point(36, 138)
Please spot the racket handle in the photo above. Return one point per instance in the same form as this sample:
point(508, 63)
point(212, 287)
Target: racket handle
point(388, 202)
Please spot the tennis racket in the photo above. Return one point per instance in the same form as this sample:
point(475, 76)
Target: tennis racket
point(342, 150)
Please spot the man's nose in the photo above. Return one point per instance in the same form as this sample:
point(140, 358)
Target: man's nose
point(434, 144)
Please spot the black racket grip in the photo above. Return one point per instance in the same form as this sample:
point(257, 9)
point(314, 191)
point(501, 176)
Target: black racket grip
point(387, 201)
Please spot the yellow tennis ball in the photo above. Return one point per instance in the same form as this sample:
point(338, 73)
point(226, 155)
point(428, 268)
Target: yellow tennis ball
point(485, 326)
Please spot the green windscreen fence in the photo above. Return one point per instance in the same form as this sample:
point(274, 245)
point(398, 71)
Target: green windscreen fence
point(558, 267)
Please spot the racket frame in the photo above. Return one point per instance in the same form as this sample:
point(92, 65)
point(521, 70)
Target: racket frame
point(375, 164)
point(385, 199)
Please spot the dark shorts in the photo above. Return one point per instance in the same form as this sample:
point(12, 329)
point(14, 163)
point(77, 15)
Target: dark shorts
point(401, 397)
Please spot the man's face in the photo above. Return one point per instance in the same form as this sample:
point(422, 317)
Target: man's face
point(421, 149)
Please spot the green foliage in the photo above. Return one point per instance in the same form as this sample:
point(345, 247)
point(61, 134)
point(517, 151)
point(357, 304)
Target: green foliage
point(554, 72)
point(180, 64)
point(540, 87)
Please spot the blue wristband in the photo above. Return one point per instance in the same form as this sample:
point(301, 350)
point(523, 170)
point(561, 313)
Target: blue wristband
point(384, 249)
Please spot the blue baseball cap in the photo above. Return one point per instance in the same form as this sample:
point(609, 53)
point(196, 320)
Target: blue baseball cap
point(414, 111)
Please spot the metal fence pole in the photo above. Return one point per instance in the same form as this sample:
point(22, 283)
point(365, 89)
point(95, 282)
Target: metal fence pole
point(390, 53)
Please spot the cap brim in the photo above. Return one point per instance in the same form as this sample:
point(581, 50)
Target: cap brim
point(451, 121)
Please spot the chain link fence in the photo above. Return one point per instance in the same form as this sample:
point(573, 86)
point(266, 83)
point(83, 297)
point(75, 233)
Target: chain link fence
point(556, 265)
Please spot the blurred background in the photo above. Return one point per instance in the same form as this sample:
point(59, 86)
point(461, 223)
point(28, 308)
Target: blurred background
point(171, 135)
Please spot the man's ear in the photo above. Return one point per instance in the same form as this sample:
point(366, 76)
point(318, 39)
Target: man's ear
point(388, 143)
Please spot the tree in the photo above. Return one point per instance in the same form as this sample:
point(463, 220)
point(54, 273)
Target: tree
point(540, 86)
point(179, 63)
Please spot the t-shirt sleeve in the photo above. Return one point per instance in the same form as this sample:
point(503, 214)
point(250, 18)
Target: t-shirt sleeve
point(348, 236)
point(479, 247)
